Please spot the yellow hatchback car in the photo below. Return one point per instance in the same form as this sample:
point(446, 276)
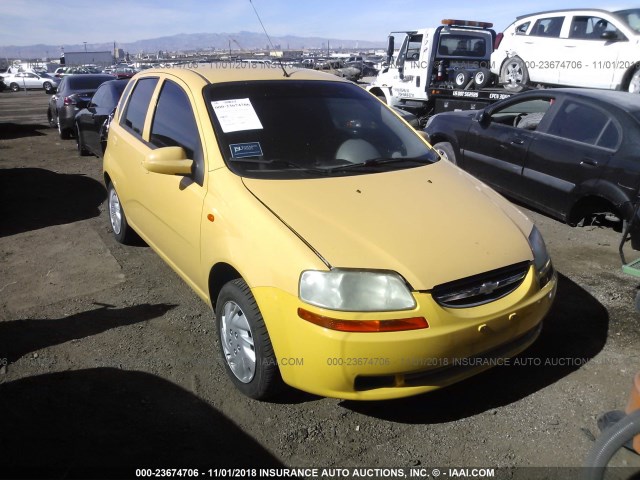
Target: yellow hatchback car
point(340, 254)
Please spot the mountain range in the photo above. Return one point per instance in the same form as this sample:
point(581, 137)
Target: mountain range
point(192, 41)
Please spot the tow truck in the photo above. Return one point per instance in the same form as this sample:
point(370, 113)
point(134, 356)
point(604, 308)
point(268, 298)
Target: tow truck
point(440, 69)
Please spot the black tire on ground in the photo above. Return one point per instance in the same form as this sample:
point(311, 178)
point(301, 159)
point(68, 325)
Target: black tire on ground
point(14, 87)
point(82, 151)
point(48, 88)
point(446, 151)
point(122, 232)
point(51, 118)
point(461, 78)
point(65, 133)
point(246, 349)
point(514, 74)
point(482, 78)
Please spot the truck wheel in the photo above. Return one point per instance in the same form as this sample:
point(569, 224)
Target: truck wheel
point(482, 78)
point(514, 75)
point(246, 349)
point(446, 151)
point(462, 78)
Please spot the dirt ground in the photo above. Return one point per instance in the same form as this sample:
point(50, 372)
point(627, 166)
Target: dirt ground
point(107, 359)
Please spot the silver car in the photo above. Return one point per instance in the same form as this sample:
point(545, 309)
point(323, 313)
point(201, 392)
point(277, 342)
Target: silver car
point(31, 80)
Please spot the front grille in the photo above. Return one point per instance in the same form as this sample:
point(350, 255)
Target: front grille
point(480, 289)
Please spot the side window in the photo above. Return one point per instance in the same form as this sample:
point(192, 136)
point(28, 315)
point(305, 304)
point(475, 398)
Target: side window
point(413, 49)
point(586, 124)
point(547, 27)
point(527, 114)
point(174, 125)
point(522, 28)
point(138, 104)
point(98, 98)
point(591, 28)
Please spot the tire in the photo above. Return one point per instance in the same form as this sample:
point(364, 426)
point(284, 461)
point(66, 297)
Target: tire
point(82, 151)
point(634, 82)
point(446, 151)
point(64, 133)
point(461, 78)
point(48, 88)
point(246, 349)
point(482, 78)
point(52, 121)
point(514, 74)
point(14, 87)
point(122, 232)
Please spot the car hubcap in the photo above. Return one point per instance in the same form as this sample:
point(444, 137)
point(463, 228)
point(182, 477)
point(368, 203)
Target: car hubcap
point(514, 73)
point(443, 154)
point(237, 342)
point(115, 212)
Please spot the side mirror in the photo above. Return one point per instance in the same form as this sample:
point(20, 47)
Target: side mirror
point(390, 48)
point(168, 161)
point(483, 117)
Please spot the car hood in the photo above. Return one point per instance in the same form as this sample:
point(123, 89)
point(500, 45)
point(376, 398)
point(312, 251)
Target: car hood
point(431, 224)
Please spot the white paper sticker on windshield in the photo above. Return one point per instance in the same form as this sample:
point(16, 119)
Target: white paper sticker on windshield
point(236, 115)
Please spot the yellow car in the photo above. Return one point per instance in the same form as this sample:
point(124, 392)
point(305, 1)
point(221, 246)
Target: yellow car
point(340, 254)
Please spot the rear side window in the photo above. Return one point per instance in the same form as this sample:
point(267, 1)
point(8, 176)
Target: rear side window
point(547, 27)
point(174, 125)
point(586, 124)
point(522, 28)
point(138, 104)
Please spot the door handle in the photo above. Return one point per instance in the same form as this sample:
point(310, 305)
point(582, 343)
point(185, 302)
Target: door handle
point(589, 162)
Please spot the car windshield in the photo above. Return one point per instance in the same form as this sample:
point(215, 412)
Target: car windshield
point(301, 129)
point(631, 18)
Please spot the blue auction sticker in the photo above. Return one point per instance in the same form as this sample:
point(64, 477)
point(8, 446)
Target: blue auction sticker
point(242, 150)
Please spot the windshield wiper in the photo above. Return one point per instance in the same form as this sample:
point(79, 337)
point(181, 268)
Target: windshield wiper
point(286, 163)
point(374, 162)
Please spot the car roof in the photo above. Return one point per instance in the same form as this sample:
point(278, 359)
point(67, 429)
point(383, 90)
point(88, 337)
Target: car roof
point(626, 101)
point(568, 10)
point(229, 72)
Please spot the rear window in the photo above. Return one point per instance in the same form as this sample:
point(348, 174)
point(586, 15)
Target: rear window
point(86, 82)
point(458, 45)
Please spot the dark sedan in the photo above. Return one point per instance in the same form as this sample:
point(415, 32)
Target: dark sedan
point(572, 153)
point(63, 106)
point(92, 122)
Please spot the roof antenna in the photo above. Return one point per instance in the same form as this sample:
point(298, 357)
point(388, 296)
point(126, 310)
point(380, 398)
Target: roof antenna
point(268, 38)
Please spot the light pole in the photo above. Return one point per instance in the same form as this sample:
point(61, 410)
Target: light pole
point(85, 47)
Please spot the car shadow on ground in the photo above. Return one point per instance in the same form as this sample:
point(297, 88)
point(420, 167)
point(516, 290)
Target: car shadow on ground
point(34, 198)
point(11, 131)
point(105, 423)
point(574, 332)
point(20, 337)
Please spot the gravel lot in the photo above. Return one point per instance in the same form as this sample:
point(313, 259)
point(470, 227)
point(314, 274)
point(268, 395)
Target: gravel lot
point(111, 360)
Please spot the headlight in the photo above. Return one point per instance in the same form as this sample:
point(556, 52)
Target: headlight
point(541, 259)
point(355, 290)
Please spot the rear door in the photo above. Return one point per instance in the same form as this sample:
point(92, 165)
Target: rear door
point(495, 147)
point(569, 155)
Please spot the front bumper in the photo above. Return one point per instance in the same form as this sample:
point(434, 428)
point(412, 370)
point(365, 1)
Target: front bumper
point(459, 343)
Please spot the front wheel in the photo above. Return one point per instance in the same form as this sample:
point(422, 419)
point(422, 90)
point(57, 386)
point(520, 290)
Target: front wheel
point(48, 88)
point(446, 151)
point(14, 87)
point(514, 74)
point(245, 346)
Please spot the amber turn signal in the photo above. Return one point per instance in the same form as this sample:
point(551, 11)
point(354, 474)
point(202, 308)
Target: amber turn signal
point(364, 326)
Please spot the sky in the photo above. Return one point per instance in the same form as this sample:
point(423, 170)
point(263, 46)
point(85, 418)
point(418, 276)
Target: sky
point(30, 22)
